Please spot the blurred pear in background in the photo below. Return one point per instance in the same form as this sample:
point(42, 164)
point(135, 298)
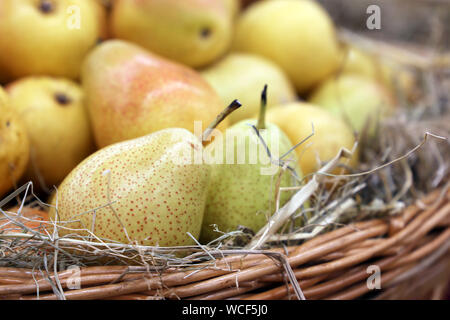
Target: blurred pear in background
point(193, 32)
point(243, 76)
point(131, 92)
point(57, 124)
point(47, 37)
point(358, 100)
point(298, 35)
point(330, 133)
point(14, 145)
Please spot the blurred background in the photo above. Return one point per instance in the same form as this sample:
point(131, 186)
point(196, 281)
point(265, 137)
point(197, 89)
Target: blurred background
point(420, 22)
point(424, 22)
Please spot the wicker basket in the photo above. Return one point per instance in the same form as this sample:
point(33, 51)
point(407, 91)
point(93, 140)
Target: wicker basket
point(410, 251)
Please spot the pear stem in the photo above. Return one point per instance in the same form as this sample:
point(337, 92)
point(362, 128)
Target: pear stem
point(262, 110)
point(227, 111)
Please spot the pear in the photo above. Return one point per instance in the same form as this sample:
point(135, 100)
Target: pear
point(131, 92)
point(387, 73)
point(240, 76)
point(150, 190)
point(152, 199)
point(234, 7)
point(14, 145)
point(360, 101)
point(57, 124)
point(359, 62)
point(193, 32)
point(244, 184)
point(330, 133)
point(47, 37)
point(297, 35)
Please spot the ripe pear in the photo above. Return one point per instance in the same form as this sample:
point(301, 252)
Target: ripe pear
point(387, 73)
point(297, 35)
point(244, 183)
point(360, 101)
point(150, 190)
point(14, 145)
point(47, 37)
point(131, 92)
point(234, 7)
point(193, 32)
point(330, 133)
point(240, 76)
point(57, 124)
point(150, 195)
point(356, 61)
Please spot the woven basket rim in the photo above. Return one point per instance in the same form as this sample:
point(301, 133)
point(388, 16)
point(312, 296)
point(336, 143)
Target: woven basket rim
point(333, 265)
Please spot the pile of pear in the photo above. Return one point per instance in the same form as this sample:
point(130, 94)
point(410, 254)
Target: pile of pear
point(103, 106)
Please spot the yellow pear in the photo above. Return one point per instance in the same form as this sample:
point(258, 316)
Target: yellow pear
point(137, 191)
point(150, 190)
point(14, 145)
point(193, 32)
point(356, 61)
point(234, 7)
point(47, 37)
point(57, 125)
point(359, 100)
point(330, 133)
point(131, 92)
point(242, 76)
point(385, 72)
point(296, 34)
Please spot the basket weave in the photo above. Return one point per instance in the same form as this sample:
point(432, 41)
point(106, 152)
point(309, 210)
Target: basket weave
point(411, 251)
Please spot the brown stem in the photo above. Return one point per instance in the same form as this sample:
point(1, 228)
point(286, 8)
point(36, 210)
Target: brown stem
point(227, 111)
point(262, 110)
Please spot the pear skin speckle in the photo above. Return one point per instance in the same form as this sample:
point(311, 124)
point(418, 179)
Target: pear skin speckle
point(156, 199)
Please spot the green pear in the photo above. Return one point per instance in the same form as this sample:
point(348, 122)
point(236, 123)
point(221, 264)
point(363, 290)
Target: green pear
point(359, 100)
point(240, 76)
point(131, 92)
point(193, 32)
point(150, 190)
point(244, 184)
